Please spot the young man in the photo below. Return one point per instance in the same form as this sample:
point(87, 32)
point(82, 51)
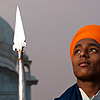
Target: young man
point(85, 57)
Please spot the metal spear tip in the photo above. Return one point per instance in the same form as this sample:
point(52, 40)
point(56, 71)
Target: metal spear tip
point(19, 36)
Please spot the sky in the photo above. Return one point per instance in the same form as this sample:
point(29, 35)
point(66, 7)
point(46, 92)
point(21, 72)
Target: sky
point(49, 27)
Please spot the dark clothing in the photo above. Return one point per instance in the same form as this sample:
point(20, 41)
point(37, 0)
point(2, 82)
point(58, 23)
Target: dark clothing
point(71, 93)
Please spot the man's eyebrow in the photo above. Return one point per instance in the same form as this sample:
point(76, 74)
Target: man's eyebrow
point(92, 44)
point(78, 45)
point(89, 44)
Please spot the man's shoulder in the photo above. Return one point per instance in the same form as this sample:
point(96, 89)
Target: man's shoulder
point(66, 95)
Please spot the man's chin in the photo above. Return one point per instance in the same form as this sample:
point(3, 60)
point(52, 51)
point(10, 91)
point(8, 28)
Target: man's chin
point(86, 78)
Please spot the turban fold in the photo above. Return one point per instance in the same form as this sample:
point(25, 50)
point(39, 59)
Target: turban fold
point(88, 31)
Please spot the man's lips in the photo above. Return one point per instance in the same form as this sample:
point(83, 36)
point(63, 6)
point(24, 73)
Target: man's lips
point(84, 64)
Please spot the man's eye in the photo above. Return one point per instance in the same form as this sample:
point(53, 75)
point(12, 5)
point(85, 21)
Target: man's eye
point(93, 50)
point(77, 51)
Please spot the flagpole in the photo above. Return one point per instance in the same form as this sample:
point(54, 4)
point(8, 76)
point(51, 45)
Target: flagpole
point(19, 44)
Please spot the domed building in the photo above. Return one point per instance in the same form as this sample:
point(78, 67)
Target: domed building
point(8, 60)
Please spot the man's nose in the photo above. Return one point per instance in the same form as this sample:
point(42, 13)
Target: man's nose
point(84, 54)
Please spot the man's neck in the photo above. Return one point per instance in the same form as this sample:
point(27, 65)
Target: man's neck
point(90, 88)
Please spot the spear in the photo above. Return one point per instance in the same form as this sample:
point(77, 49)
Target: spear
point(19, 44)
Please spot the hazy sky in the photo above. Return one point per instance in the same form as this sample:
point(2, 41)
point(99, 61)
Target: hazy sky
point(49, 27)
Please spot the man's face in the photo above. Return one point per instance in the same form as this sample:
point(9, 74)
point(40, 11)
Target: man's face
point(86, 60)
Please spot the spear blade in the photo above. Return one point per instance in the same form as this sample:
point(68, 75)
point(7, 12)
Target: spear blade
point(19, 36)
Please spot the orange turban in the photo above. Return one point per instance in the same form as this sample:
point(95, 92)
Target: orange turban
point(88, 31)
